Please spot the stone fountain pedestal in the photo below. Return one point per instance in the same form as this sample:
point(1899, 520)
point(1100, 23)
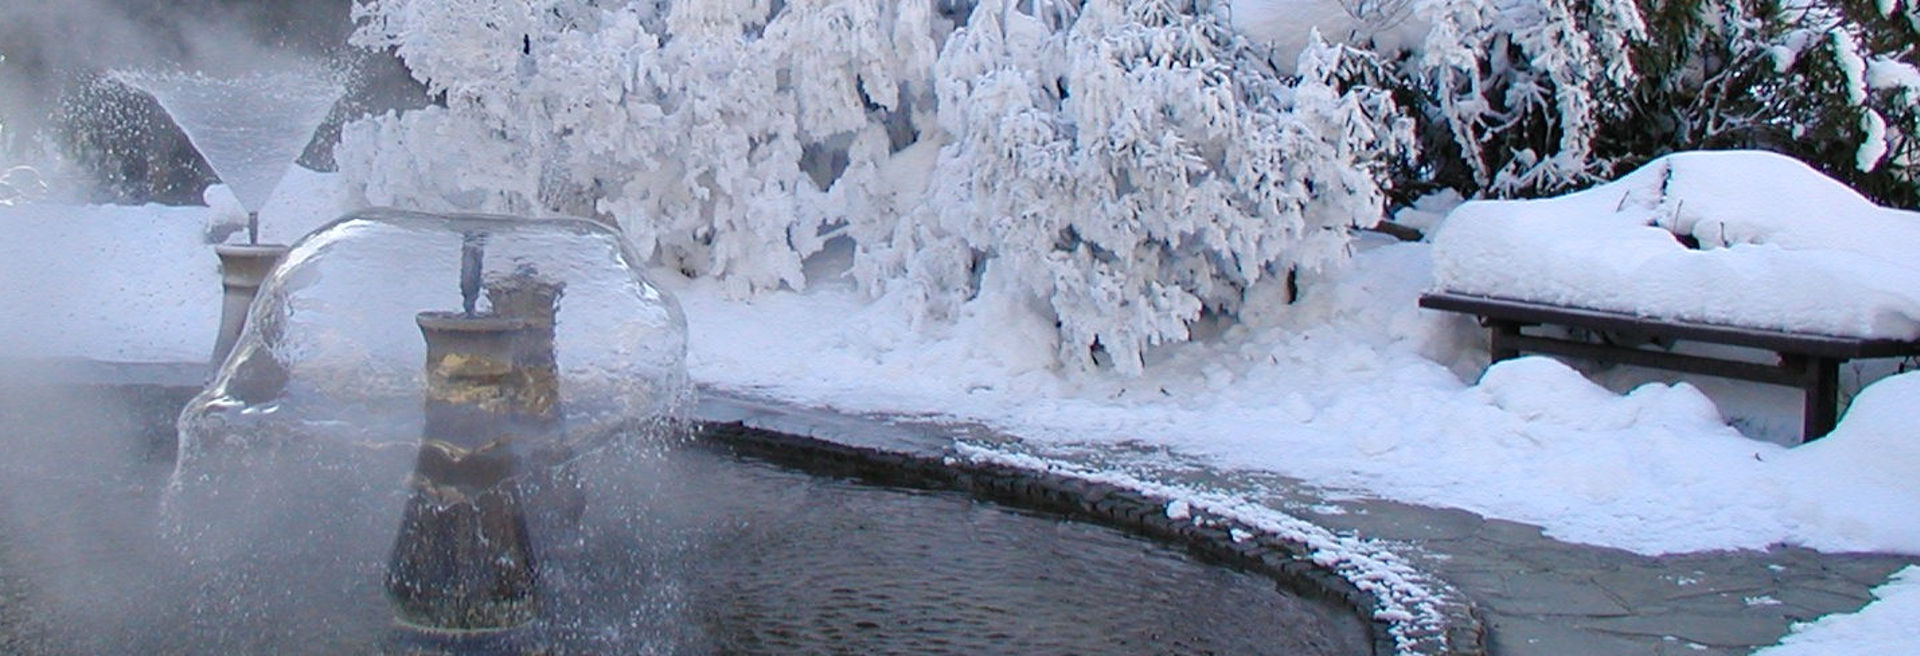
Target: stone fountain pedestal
point(462, 560)
point(242, 268)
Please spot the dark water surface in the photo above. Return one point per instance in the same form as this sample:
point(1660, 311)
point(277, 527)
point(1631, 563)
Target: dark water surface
point(685, 549)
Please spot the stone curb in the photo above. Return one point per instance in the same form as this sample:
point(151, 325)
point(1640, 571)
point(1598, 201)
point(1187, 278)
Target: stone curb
point(1287, 562)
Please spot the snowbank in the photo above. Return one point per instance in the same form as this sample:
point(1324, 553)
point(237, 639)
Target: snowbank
point(1863, 474)
point(1354, 388)
point(136, 284)
point(1780, 246)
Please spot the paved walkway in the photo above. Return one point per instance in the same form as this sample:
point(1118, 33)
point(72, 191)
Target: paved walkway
point(1539, 596)
point(1543, 596)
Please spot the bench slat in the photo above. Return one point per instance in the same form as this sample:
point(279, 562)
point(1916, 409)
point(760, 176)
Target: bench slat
point(1758, 373)
point(1826, 346)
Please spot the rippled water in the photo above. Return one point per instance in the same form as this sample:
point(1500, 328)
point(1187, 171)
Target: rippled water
point(683, 550)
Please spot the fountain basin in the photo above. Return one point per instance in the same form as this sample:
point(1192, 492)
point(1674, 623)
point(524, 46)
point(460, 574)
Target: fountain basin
point(533, 488)
point(725, 540)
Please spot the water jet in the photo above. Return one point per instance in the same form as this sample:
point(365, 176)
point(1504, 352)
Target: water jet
point(250, 129)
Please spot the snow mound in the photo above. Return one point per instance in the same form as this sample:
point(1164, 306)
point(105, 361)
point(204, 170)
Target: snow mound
point(1865, 470)
point(1736, 237)
point(1541, 389)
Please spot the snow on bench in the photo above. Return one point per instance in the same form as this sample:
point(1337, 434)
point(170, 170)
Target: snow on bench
point(1741, 248)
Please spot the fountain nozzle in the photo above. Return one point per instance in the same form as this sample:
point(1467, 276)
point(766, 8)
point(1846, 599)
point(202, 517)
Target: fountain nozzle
point(473, 254)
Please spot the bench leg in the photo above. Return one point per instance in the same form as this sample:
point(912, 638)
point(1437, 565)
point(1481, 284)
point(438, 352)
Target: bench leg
point(1823, 397)
point(1501, 339)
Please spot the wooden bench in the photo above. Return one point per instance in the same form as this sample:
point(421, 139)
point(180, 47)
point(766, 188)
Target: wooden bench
point(1806, 361)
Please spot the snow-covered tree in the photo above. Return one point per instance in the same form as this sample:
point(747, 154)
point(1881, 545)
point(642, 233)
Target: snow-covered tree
point(1513, 92)
point(1125, 166)
point(1849, 92)
point(1133, 165)
point(1532, 97)
point(1828, 81)
point(708, 130)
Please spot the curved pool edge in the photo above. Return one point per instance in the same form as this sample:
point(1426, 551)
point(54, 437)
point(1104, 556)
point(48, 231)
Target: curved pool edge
point(1406, 611)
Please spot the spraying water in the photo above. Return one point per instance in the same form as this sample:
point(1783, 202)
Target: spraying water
point(250, 128)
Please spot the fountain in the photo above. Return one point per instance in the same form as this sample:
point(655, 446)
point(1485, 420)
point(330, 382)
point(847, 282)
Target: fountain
point(382, 465)
point(250, 129)
point(317, 408)
point(482, 456)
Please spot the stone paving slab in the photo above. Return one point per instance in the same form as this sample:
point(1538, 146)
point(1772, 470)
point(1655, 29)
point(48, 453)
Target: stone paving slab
point(1546, 597)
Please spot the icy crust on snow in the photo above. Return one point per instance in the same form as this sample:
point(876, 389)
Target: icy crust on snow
point(1781, 247)
point(1885, 626)
point(1414, 605)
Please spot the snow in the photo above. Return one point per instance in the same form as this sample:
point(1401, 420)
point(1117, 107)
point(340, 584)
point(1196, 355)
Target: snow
point(1179, 510)
point(1289, 25)
point(1853, 67)
point(1885, 626)
point(1892, 74)
point(1353, 389)
point(1132, 166)
point(1781, 247)
point(135, 284)
point(1873, 146)
point(107, 283)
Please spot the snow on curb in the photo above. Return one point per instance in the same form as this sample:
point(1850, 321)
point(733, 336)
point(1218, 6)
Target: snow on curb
point(1423, 615)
